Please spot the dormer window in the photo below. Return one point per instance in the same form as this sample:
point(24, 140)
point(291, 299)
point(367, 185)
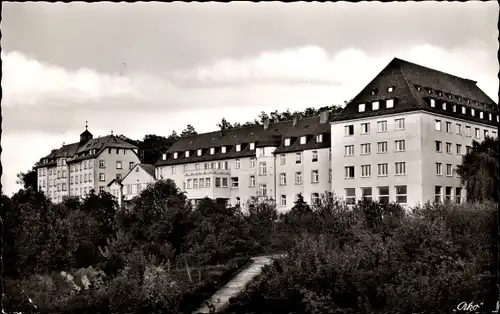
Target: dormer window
point(468, 101)
point(303, 140)
point(176, 155)
point(440, 94)
point(449, 96)
point(454, 108)
point(489, 116)
point(389, 103)
point(361, 108)
point(429, 91)
point(497, 118)
point(199, 152)
point(481, 115)
point(287, 142)
point(463, 110)
point(472, 112)
point(164, 156)
point(252, 146)
point(433, 103)
point(238, 147)
point(212, 150)
point(186, 153)
point(374, 92)
point(418, 88)
point(223, 149)
point(375, 105)
point(390, 89)
point(444, 106)
point(319, 138)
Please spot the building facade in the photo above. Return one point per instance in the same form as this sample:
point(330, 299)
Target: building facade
point(403, 136)
point(270, 161)
point(90, 164)
point(136, 180)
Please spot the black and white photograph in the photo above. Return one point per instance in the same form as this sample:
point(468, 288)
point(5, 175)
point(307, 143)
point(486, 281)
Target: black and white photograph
point(250, 157)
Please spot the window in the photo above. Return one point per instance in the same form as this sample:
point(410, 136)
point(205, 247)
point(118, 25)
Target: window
point(365, 149)
point(207, 183)
point(298, 177)
point(282, 178)
point(330, 175)
point(486, 134)
point(329, 154)
point(109, 151)
point(366, 171)
point(225, 183)
point(448, 127)
point(382, 126)
point(468, 149)
point(464, 110)
point(287, 142)
point(319, 138)
point(189, 183)
point(349, 172)
point(439, 147)
point(401, 194)
point(437, 194)
point(375, 105)
point(223, 149)
point(382, 170)
point(349, 150)
point(489, 116)
point(437, 125)
point(481, 115)
point(315, 199)
point(400, 168)
point(389, 103)
point(390, 89)
point(195, 183)
point(349, 130)
point(218, 182)
point(365, 128)
point(314, 156)
point(118, 165)
point(458, 129)
point(315, 176)
point(361, 107)
point(382, 147)
point(252, 146)
point(448, 190)
point(263, 190)
point(459, 149)
point(225, 165)
point(448, 148)
point(468, 131)
point(366, 194)
point(102, 165)
point(282, 159)
point(186, 168)
point(262, 169)
point(399, 145)
point(350, 196)
point(444, 106)
point(472, 112)
point(400, 124)
point(197, 167)
point(477, 132)
point(212, 150)
point(252, 181)
point(449, 170)
point(85, 178)
point(101, 177)
point(298, 158)
point(383, 194)
point(85, 165)
point(202, 183)
point(252, 162)
point(186, 154)
point(458, 195)
point(283, 200)
point(439, 168)
point(433, 103)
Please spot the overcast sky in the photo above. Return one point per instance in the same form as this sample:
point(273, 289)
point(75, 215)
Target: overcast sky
point(150, 68)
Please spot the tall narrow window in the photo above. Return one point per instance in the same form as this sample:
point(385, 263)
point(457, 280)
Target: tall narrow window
point(401, 194)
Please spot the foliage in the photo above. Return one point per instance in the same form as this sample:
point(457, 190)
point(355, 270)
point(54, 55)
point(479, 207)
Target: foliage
point(479, 170)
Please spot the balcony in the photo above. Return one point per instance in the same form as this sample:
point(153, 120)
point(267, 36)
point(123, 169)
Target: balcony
point(201, 172)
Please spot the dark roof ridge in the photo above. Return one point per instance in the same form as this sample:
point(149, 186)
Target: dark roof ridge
point(435, 70)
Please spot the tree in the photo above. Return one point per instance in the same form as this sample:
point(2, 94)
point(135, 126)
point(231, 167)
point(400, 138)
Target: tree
point(224, 125)
point(153, 146)
point(479, 171)
point(189, 130)
point(29, 178)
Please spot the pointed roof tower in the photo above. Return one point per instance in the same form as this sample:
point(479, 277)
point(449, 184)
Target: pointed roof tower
point(86, 135)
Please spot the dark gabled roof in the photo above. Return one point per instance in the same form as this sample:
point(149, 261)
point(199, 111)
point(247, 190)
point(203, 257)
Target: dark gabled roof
point(406, 78)
point(273, 135)
point(115, 180)
point(150, 169)
point(77, 152)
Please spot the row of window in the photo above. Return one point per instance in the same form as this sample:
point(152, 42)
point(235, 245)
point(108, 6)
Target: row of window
point(399, 124)
point(382, 170)
point(223, 149)
point(438, 126)
point(449, 148)
point(389, 103)
point(136, 188)
point(464, 110)
point(382, 148)
point(315, 198)
point(79, 167)
point(383, 196)
point(447, 196)
point(448, 167)
point(117, 151)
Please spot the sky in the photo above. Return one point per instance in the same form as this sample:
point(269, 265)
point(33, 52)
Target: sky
point(150, 68)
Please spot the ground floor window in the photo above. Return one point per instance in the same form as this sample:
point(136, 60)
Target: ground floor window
point(350, 196)
point(437, 194)
point(283, 200)
point(458, 195)
point(366, 194)
point(448, 191)
point(401, 194)
point(315, 199)
point(383, 194)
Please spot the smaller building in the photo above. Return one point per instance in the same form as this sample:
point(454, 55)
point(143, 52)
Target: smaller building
point(115, 188)
point(136, 180)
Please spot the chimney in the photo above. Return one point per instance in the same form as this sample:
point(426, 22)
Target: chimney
point(266, 123)
point(323, 116)
point(295, 119)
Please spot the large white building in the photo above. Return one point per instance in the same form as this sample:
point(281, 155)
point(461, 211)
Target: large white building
point(403, 136)
point(90, 164)
point(399, 140)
